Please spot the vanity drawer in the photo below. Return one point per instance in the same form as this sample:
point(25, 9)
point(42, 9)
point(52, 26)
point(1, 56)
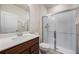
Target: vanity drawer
point(34, 47)
point(17, 49)
point(25, 52)
point(36, 52)
point(34, 41)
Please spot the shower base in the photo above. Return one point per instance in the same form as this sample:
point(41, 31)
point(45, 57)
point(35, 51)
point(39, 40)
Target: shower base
point(65, 51)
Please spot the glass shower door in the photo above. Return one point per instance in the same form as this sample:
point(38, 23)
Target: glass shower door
point(66, 32)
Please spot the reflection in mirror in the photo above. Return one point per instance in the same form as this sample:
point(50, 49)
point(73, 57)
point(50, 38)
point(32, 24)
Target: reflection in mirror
point(14, 17)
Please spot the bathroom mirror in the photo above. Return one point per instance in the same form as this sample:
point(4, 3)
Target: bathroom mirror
point(14, 17)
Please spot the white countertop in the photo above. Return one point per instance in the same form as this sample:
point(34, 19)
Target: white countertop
point(7, 42)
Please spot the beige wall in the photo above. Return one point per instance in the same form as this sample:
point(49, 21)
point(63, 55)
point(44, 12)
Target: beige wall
point(0, 17)
point(36, 13)
point(34, 18)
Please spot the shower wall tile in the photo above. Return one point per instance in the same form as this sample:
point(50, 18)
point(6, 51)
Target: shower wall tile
point(45, 32)
point(51, 38)
point(45, 37)
point(52, 24)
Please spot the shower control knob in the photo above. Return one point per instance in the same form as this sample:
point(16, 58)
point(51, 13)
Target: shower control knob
point(46, 26)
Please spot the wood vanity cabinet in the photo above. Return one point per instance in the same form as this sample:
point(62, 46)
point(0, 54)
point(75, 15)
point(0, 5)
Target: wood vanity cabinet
point(29, 47)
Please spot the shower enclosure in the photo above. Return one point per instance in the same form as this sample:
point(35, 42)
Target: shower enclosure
point(59, 31)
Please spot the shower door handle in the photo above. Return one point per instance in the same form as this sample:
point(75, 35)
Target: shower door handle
point(54, 34)
point(55, 40)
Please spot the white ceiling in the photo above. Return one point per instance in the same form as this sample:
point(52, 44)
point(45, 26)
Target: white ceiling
point(24, 6)
point(49, 5)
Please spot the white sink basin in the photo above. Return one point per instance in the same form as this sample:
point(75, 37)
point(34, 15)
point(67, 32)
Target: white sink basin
point(23, 38)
